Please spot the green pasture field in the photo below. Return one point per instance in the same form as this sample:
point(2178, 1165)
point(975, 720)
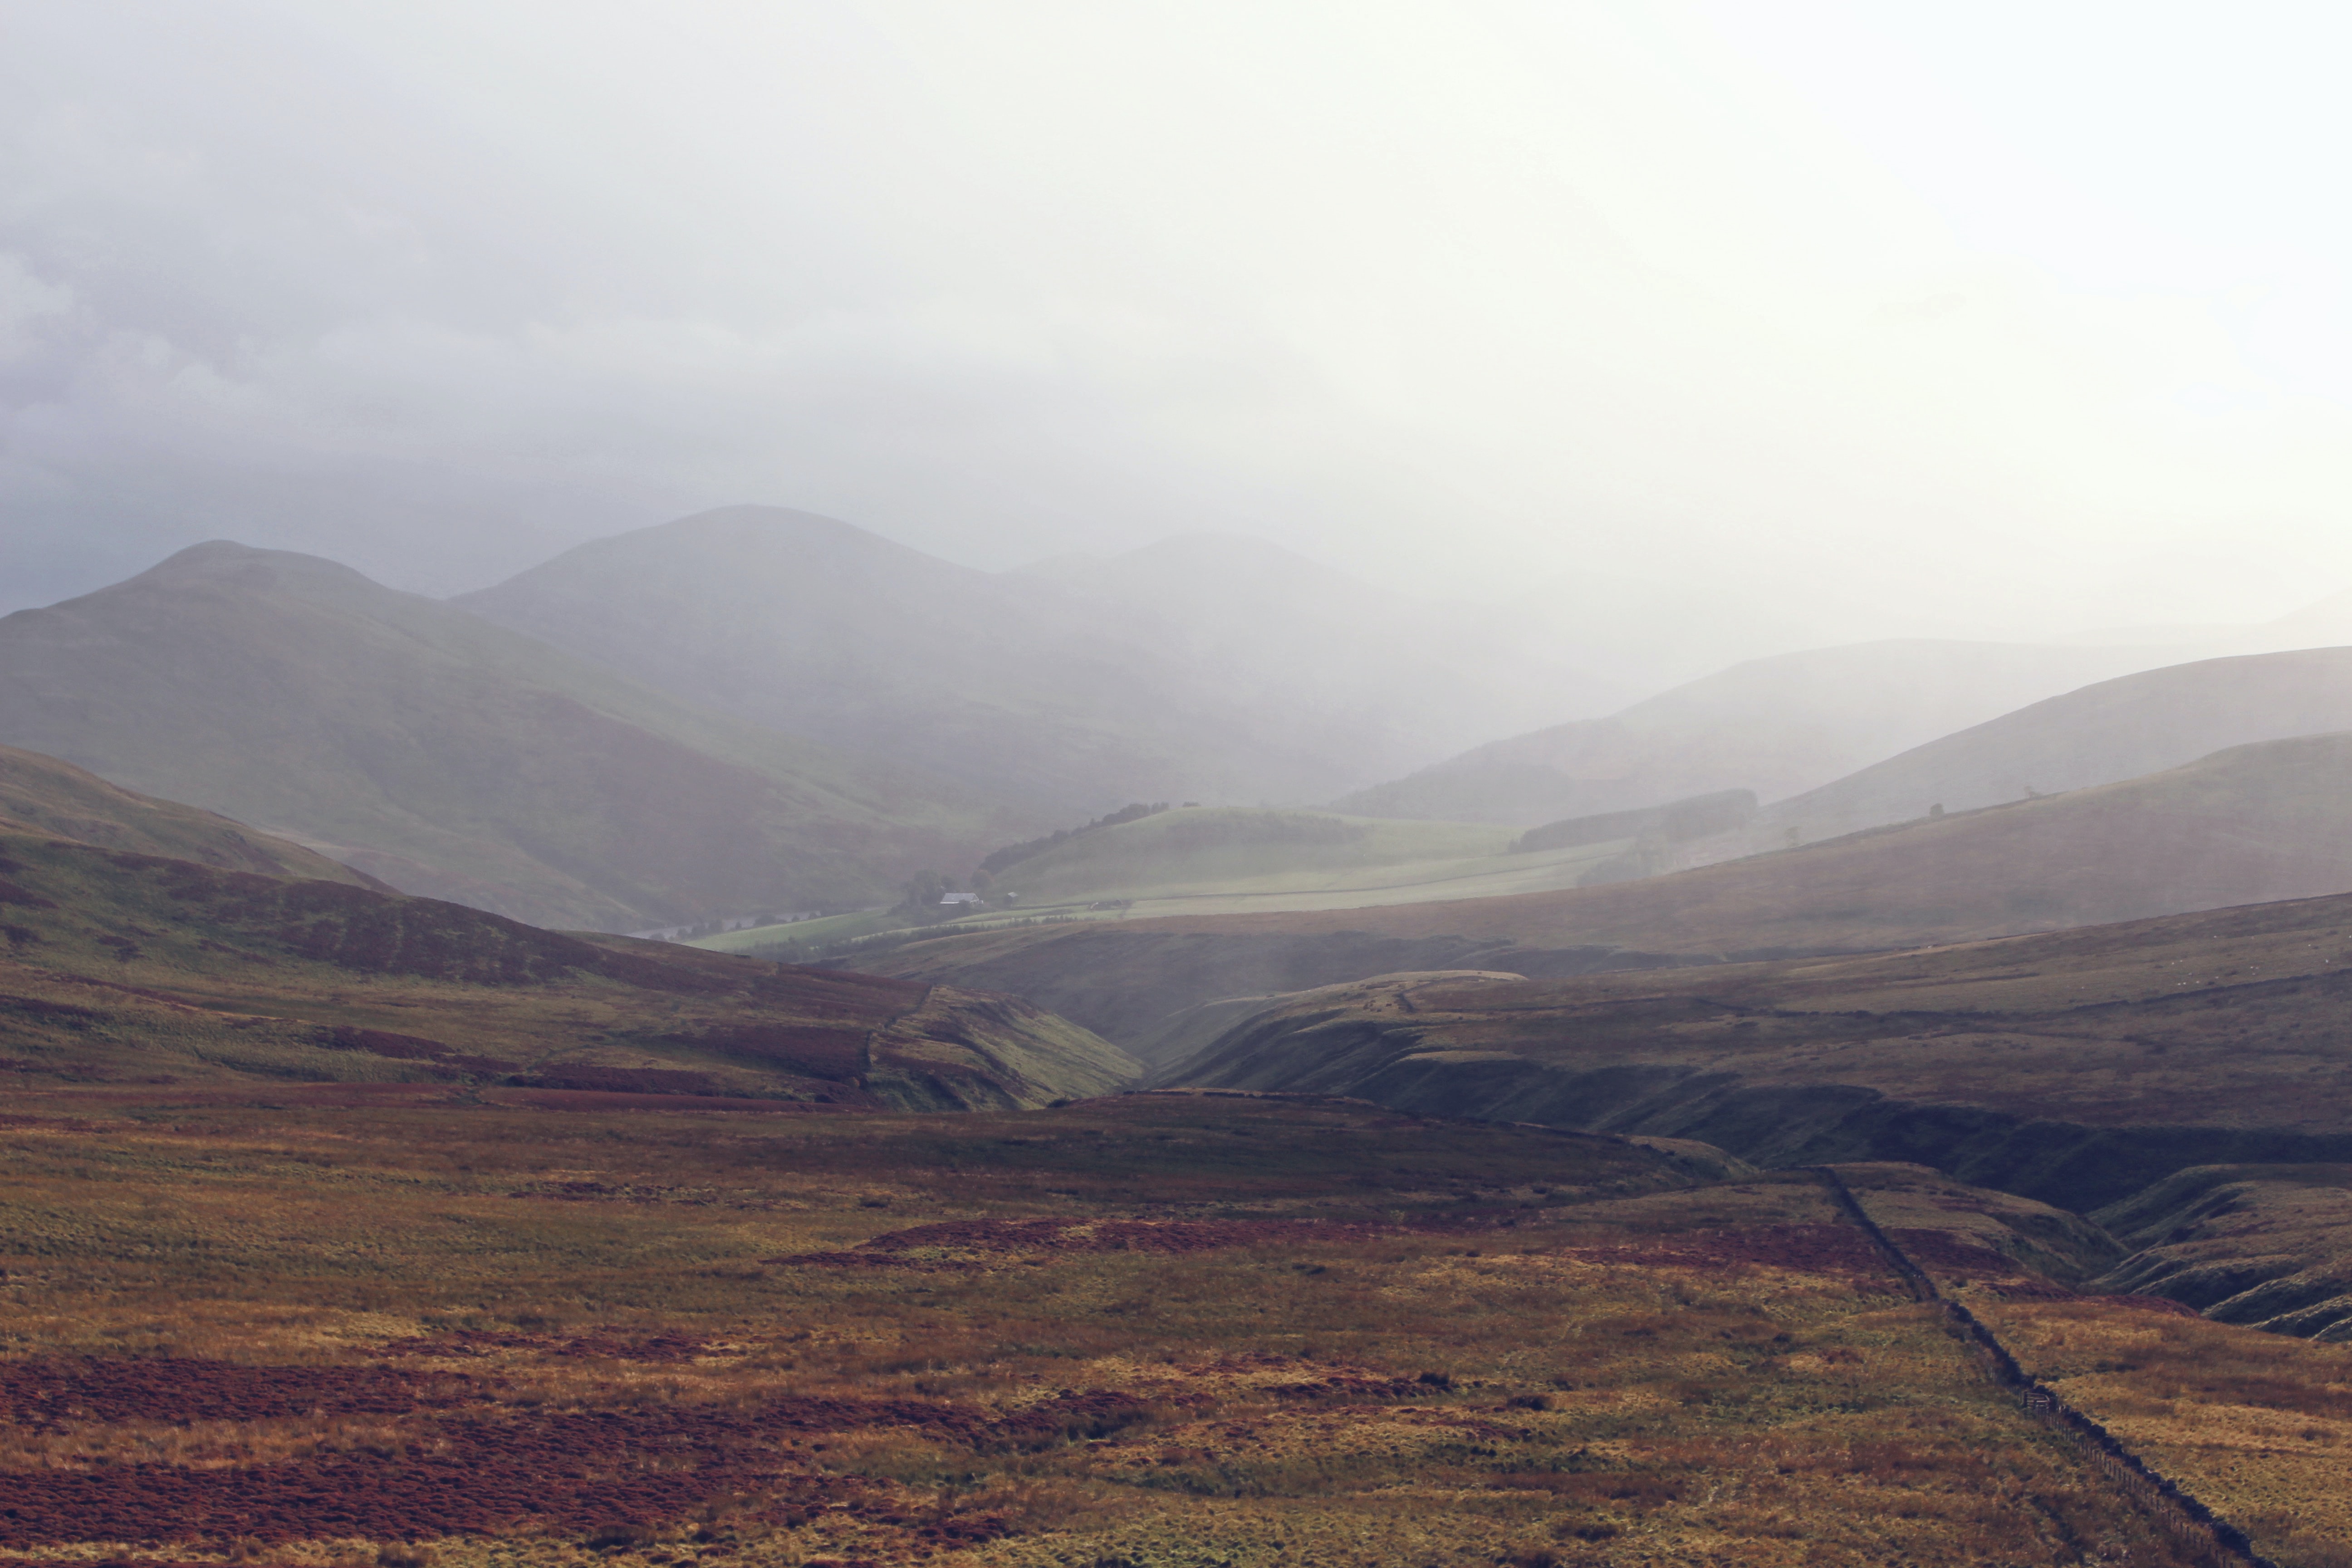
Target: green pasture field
point(1231, 860)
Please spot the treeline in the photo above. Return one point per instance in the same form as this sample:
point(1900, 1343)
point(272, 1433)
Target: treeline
point(1013, 854)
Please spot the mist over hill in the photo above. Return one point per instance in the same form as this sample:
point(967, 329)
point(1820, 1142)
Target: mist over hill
point(2120, 729)
point(1404, 677)
point(1776, 726)
point(452, 757)
point(2253, 824)
point(1212, 668)
point(41, 794)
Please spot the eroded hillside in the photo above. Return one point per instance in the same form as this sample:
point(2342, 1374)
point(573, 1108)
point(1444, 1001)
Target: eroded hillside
point(2078, 1067)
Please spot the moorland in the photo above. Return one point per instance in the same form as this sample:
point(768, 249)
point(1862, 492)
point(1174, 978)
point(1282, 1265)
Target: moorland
point(247, 1326)
point(1870, 1105)
point(125, 966)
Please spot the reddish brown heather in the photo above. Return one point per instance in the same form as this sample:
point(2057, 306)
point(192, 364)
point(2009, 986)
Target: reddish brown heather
point(44, 1396)
point(565, 1472)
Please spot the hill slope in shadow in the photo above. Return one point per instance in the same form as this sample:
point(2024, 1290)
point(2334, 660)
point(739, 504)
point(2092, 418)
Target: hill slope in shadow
point(121, 967)
point(2077, 1068)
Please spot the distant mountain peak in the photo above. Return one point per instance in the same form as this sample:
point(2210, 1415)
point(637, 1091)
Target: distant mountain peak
point(228, 559)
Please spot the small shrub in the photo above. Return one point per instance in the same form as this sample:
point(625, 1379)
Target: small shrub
point(606, 1537)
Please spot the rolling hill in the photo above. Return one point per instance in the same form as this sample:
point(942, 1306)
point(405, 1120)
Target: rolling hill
point(40, 795)
point(1229, 860)
point(1223, 859)
point(1776, 726)
point(1212, 668)
point(2254, 822)
point(130, 968)
point(451, 757)
point(2120, 729)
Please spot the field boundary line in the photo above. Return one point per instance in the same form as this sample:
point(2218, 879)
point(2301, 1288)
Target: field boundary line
point(2166, 1500)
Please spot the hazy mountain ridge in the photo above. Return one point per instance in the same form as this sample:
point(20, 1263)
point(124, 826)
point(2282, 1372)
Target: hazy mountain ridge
point(1778, 726)
point(450, 756)
point(2127, 727)
point(1212, 668)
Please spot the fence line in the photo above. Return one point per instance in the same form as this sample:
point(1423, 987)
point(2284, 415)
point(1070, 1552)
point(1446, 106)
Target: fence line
point(2170, 1504)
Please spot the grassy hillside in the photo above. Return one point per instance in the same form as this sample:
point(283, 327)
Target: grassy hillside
point(2266, 1246)
point(2256, 822)
point(1232, 859)
point(40, 795)
point(2077, 1068)
point(1776, 726)
point(133, 968)
point(451, 757)
point(1173, 1329)
point(2118, 729)
point(1213, 860)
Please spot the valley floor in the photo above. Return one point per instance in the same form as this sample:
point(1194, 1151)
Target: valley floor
point(397, 1324)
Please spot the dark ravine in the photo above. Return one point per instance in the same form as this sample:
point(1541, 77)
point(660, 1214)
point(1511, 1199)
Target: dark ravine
point(2063, 1162)
point(2167, 1501)
point(2069, 1164)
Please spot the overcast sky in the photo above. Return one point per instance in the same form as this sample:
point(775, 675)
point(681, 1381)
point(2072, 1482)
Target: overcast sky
point(1995, 317)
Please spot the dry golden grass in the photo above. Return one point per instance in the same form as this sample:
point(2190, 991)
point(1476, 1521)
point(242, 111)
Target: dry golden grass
point(2257, 1425)
point(1161, 1330)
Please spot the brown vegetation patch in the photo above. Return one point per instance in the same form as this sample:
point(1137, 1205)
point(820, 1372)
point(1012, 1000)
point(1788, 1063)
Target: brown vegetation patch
point(542, 1473)
point(590, 1099)
point(626, 1080)
point(811, 1050)
point(1165, 1236)
point(1294, 1377)
point(1802, 1249)
point(443, 1061)
point(2161, 1304)
point(1942, 1252)
point(464, 1343)
point(46, 1394)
